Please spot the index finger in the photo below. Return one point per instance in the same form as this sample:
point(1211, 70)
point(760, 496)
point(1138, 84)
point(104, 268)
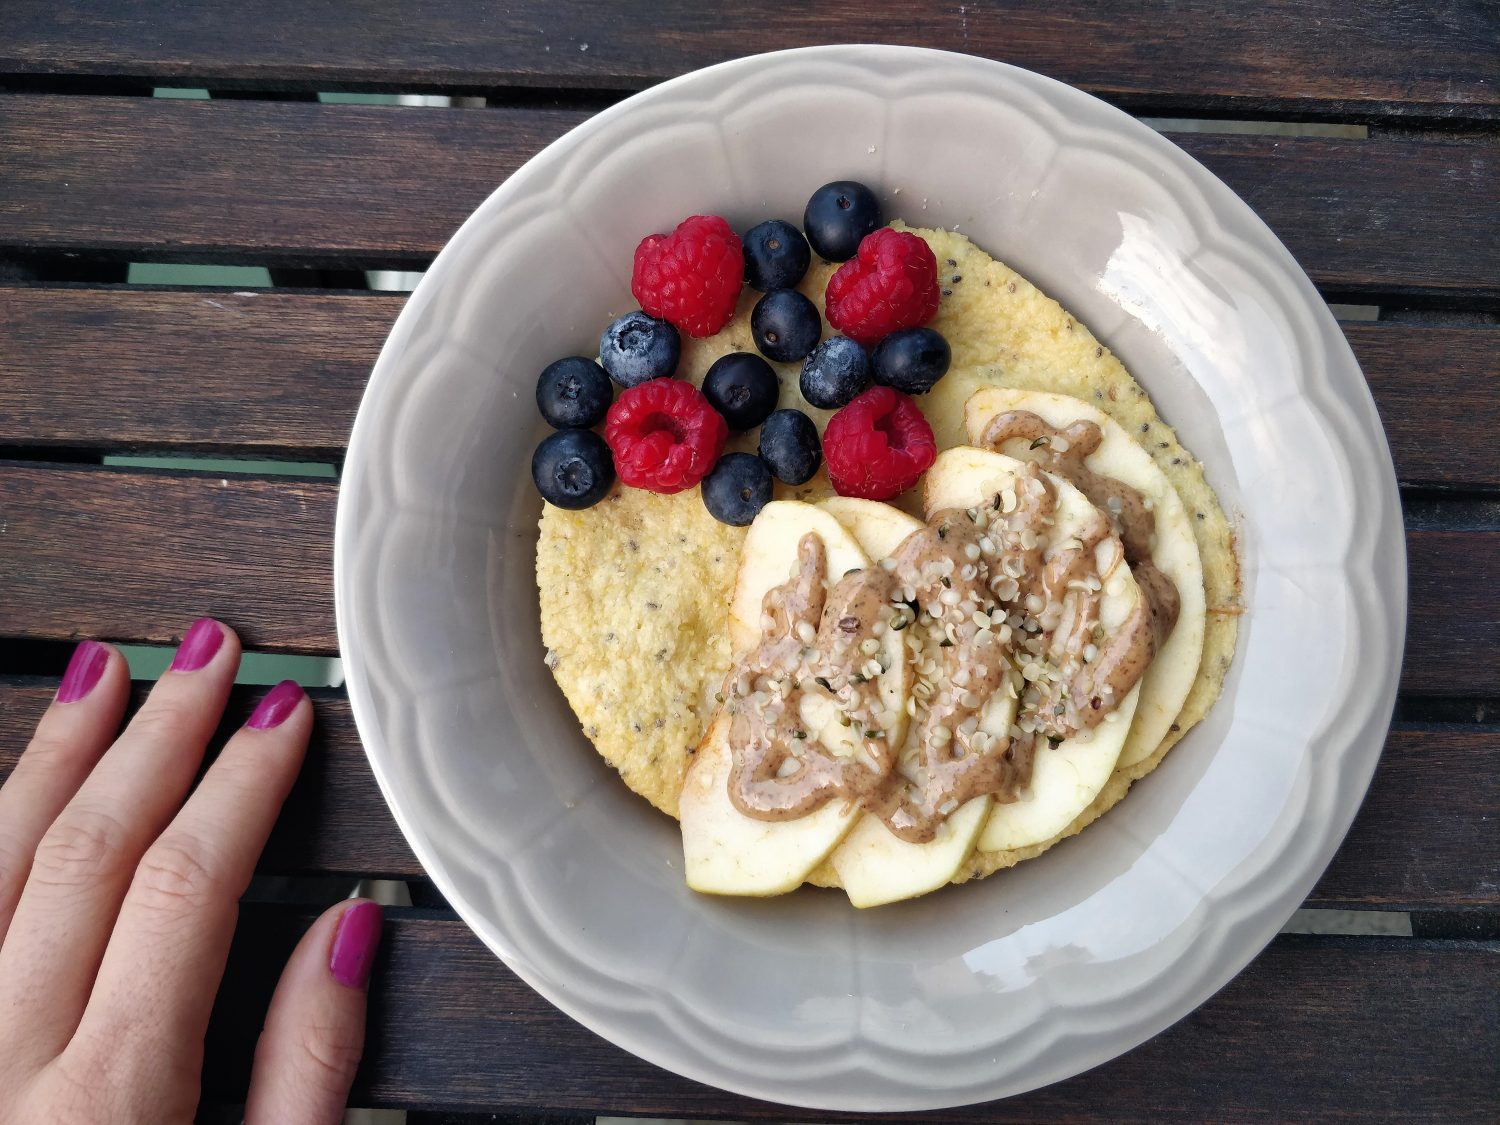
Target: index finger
point(156, 985)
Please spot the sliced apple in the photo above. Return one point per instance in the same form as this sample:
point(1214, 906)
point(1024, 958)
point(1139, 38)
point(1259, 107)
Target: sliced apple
point(878, 528)
point(966, 477)
point(876, 866)
point(1065, 778)
point(726, 852)
point(943, 406)
point(963, 477)
point(1172, 673)
point(770, 553)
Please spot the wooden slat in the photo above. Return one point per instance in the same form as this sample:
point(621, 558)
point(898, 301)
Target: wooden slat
point(273, 182)
point(1336, 205)
point(1353, 1029)
point(1426, 828)
point(135, 556)
point(1453, 629)
point(1438, 390)
point(280, 374)
point(1437, 791)
point(340, 185)
point(266, 373)
point(1280, 56)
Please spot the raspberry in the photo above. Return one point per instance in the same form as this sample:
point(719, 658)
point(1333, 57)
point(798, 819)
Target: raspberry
point(692, 276)
point(890, 284)
point(878, 446)
point(664, 434)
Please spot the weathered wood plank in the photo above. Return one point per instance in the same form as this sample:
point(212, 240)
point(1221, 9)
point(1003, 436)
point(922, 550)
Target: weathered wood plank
point(137, 556)
point(134, 556)
point(1453, 628)
point(1357, 1029)
point(260, 373)
point(1278, 57)
point(1426, 828)
point(291, 183)
point(1438, 391)
point(272, 182)
point(1422, 841)
point(280, 374)
point(1326, 198)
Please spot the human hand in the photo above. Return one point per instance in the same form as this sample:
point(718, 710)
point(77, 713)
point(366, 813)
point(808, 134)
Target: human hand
point(118, 902)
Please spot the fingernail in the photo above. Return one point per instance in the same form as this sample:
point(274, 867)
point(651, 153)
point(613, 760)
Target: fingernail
point(354, 943)
point(198, 645)
point(84, 669)
point(276, 705)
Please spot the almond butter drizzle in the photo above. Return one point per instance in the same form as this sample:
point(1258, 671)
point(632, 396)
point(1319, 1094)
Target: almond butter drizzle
point(1041, 610)
point(1122, 505)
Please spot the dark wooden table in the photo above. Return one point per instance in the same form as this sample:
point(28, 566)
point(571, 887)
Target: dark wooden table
point(95, 173)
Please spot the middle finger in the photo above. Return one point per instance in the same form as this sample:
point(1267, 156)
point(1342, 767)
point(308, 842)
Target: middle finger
point(85, 861)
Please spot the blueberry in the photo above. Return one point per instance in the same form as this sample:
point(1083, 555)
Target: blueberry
point(638, 348)
point(572, 468)
point(912, 360)
point(786, 325)
point(573, 393)
point(737, 488)
point(742, 387)
point(789, 445)
point(838, 216)
point(776, 255)
point(837, 370)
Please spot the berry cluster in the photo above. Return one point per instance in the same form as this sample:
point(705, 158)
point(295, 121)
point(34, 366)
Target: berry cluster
point(663, 434)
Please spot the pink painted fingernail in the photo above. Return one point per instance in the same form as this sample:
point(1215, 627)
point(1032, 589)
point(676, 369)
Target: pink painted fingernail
point(276, 705)
point(84, 669)
point(354, 943)
point(198, 645)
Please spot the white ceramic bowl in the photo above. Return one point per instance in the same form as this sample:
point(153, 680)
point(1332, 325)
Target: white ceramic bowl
point(972, 993)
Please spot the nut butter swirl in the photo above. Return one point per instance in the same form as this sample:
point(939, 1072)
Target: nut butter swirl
point(1063, 452)
point(983, 607)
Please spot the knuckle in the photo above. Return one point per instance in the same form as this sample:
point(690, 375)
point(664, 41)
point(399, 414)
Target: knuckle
point(176, 875)
point(46, 753)
point(240, 775)
point(68, 1097)
point(81, 845)
point(330, 1053)
point(163, 718)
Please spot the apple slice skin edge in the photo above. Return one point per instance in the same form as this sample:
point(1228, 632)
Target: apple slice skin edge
point(965, 477)
point(725, 851)
point(1174, 671)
